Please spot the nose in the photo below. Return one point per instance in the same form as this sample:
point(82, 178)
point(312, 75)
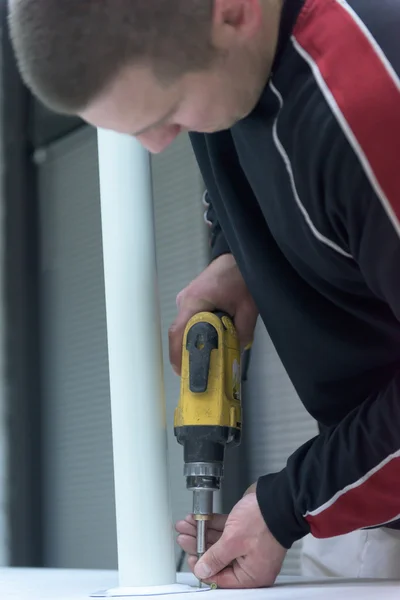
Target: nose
point(158, 140)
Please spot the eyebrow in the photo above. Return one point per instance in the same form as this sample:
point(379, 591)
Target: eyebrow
point(155, 124)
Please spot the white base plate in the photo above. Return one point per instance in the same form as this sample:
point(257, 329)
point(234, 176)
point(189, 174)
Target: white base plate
point(161, 590)
point(64, 584)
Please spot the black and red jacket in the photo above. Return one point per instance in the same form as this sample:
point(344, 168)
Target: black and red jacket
point(305, 193)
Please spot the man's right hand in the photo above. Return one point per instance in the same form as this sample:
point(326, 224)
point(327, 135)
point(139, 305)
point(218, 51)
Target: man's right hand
point(219, 287)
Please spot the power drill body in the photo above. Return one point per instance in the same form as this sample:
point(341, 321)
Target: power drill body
point(208, 416)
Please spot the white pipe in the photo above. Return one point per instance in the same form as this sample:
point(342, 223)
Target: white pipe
point(144, 522)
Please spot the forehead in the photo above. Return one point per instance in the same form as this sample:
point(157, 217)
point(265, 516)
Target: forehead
point(133, 102)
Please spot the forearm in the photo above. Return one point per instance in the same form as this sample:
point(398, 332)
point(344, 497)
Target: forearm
point(345, 479)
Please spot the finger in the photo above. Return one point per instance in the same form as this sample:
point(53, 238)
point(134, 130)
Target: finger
point(251, 490)
point(189, 545)
point(192, 561)
point(186, 528)
point(218, 557)
point(212, 537)
point(229, 578)
point(217, 522)
point(189, 519)
point(175, 336)
point(188, 307)
point(225, 579)
point(245, 323)
point(189, 525)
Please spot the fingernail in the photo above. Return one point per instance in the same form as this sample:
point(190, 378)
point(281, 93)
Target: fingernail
point(202, 571)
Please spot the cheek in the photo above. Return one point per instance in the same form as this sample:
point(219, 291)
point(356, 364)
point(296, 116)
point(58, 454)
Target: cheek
point(158, 140)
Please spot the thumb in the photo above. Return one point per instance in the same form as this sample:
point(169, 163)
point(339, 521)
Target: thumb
point(245, 323)
point(217, 558)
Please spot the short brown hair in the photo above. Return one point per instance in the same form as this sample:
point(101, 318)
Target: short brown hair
point(70, 51)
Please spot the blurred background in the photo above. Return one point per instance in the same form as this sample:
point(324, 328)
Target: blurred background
point(56, 473)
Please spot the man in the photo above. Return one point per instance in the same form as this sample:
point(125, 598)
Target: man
point(293, 109)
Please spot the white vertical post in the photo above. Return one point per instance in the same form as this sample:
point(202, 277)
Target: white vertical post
point(144, 526)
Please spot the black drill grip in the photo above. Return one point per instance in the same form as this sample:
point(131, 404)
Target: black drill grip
point(202, 339)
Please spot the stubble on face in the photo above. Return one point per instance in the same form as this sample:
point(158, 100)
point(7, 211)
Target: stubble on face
point(208, 101)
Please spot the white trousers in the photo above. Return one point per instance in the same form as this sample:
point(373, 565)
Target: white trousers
point(374, 553)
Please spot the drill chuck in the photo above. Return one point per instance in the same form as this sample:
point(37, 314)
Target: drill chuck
point(203, 479)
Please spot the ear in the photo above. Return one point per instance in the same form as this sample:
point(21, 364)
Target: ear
point(236, 21)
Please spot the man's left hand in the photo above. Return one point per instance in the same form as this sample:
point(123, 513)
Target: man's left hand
point(245, 555)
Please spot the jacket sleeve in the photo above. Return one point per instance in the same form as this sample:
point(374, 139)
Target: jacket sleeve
point(348, 477)
point(218, 243)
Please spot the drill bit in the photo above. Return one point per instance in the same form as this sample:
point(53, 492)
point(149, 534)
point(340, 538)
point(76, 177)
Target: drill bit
point(201, 541)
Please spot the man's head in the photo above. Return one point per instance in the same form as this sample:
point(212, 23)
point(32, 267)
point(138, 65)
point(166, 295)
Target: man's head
point(150, 68)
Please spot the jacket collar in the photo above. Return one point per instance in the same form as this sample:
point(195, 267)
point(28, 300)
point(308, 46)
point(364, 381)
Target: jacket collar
point(290, 11)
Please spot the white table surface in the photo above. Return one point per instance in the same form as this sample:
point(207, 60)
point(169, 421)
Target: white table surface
point(42, 584)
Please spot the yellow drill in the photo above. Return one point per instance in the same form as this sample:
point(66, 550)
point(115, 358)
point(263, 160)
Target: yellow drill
point(208, 416)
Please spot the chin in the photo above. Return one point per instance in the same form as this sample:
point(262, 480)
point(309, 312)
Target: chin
point(222, 126)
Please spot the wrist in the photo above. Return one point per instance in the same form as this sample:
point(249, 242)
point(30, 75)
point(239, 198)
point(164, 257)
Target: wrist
point(277, 508)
